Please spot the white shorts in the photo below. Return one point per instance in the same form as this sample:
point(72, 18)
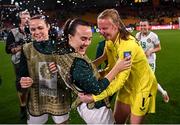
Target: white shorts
point(152, 62)
point(44, 118)
point(153, 66)
point(102, 115)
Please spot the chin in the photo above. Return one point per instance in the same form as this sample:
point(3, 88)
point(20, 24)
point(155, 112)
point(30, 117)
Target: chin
point(41, 40)
point(108, 38)
point(82, 52)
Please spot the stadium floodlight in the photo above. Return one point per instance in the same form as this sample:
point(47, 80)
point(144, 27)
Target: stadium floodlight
point(12, 1)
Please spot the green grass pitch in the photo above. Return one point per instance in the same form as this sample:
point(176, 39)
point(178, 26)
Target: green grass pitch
point(167, 73)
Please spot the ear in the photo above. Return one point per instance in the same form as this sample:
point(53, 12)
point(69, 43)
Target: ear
point(115, 26)
point(48, 26)
point(69, 37)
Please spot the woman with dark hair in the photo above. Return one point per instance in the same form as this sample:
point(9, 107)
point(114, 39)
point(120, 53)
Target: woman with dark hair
point(47, 94)
point(79, 73)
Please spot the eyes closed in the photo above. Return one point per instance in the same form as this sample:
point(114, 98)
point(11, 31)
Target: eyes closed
point(86, 38)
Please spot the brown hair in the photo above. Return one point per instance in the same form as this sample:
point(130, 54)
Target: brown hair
point(40, 17)
point(71, 25)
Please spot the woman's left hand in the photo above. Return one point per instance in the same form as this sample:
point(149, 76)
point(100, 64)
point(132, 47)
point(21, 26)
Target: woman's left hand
point(87, 98)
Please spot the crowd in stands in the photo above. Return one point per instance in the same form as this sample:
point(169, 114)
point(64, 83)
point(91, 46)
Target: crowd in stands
point(131, 15)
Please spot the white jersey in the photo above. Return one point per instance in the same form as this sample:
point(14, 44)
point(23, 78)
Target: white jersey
point(148, 42)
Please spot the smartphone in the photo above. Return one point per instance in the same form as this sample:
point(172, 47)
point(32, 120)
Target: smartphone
point(127, 53)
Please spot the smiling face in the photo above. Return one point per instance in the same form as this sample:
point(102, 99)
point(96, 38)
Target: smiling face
point(39, 29)
point(107, 28)
point(144, 26)
point(81, 39)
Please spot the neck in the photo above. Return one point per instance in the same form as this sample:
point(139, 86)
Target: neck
point(145, 33)
point(21, 28)
point(114, 39)
point(42, 40)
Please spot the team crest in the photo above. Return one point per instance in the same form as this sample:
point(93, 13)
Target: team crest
point(149, 40)
point(47, 81)
point(45, 73)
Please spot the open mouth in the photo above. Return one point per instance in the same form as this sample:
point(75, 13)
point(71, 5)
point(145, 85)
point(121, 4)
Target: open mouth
point(81, 47)
point(106, 35)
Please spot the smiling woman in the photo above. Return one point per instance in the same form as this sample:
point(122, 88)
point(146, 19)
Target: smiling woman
point(81, 39)
point(78, 72)
point(39, 28)
point(47, 95)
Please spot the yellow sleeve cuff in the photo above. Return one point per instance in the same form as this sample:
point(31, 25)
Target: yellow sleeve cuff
point(94, 98)
point(101, 96)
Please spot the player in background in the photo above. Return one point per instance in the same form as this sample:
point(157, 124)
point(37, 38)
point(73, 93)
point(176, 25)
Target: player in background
point(151, 44)
point(15, 39)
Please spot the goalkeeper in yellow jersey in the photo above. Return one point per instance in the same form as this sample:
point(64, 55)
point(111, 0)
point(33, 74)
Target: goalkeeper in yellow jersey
point(136, 86)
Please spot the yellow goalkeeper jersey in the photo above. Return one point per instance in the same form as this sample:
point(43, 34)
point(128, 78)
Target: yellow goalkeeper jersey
point(139, 78)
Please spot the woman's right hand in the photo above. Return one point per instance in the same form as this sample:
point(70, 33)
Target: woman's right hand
point(26, 82)
point(124, 64)
point(119, 66)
